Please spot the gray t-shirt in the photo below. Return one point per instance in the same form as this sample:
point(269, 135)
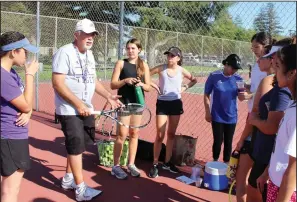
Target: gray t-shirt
point(66, 61)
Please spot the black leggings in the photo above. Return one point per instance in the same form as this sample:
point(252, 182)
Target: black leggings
point(222, 131)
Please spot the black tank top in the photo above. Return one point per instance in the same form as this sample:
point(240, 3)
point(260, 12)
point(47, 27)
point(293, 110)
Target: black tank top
point(128, 91)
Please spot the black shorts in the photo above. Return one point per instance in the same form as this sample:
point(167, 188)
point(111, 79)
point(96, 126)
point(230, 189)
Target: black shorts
point(246, 148)
point(257, 170)
point(79, 132)
point(174, 107)
point(14, 156)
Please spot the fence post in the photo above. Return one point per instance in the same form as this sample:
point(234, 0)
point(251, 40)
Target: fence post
point(56, 34)
point(145, 45)
point(201, 48)
point(121, 30)
point(105, 51)
point(239, 49)
point(222, 53)
point(37, 56)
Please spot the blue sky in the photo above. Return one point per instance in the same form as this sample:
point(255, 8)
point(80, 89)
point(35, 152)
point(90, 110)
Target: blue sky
point(247, 11)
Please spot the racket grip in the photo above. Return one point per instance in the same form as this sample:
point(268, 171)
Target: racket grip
point(97, 112)
point(139, 95)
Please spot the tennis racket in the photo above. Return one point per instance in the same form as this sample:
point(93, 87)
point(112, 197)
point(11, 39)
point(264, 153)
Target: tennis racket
point(107, 125)
point(118, 115)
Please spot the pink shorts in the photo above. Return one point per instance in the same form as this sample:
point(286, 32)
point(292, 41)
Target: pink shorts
point(272, 192)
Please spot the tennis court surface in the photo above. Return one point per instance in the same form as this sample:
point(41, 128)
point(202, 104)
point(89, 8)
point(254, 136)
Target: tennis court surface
point(41, 183)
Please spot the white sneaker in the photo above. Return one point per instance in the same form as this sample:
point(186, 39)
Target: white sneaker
point(133, 170)
point(86, 193)
point(68, 184)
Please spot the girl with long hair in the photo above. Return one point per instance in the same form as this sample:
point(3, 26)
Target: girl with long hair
point(128, 74)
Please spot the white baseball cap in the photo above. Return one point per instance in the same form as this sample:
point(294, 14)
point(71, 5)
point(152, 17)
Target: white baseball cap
point(273, 50)
point(86, 25)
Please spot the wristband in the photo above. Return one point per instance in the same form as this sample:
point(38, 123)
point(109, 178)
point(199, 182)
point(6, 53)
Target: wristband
point(29, 74)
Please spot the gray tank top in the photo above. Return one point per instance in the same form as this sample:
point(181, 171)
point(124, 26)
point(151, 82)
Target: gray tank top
point(170, 87)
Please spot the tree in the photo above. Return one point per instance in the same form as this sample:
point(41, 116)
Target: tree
point(238, 21)
point(260, 21)
point(273, 25)
point(190, 17)
point(267, 21)
point(20, 23)
point(203, 18)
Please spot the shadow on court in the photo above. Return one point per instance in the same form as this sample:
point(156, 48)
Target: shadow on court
point(48, 145)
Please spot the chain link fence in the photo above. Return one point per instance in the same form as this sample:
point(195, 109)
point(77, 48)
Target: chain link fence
point(205, 31)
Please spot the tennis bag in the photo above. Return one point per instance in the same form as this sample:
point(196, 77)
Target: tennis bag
point(145, 151)
point(105, 153)
point(184, 150)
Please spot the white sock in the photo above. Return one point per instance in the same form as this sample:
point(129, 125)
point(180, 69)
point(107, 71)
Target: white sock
point(68, 176)
point(80, 186)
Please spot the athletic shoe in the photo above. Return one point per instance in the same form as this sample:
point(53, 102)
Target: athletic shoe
point(118, 172)
point(68, 184)
point(171, 167)
point(154, 171)
point(133, 170)
point(86, 193)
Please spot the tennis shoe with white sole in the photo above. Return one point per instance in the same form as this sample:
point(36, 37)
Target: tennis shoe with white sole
point(154, 171)
point(86, 193)
point(171, 167)
point(133, 170)
point(68, 184)
point(118, 172)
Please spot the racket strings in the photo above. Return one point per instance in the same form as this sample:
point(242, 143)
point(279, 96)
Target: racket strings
point(103, 124)
point(141, 117)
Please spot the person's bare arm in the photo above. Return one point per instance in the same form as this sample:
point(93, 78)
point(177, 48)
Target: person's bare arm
point(246, 95)
point(207, 107)
point(264, 86)
point(269, 126)
point(115, 82)
point(189, 76)
point(147, 79)
point(24, 102)
point(288, 184)
point(153, 71)
point(156, 87)
point(248, 129)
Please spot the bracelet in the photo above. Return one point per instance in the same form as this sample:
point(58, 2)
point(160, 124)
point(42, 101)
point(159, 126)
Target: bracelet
point(29, 74)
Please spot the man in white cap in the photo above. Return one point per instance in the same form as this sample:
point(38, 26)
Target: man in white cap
point(74, 81)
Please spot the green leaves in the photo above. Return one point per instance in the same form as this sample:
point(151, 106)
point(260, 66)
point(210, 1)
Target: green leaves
point(267, 20)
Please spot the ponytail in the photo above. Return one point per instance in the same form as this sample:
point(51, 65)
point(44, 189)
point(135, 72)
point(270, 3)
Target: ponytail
point(140, 67)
